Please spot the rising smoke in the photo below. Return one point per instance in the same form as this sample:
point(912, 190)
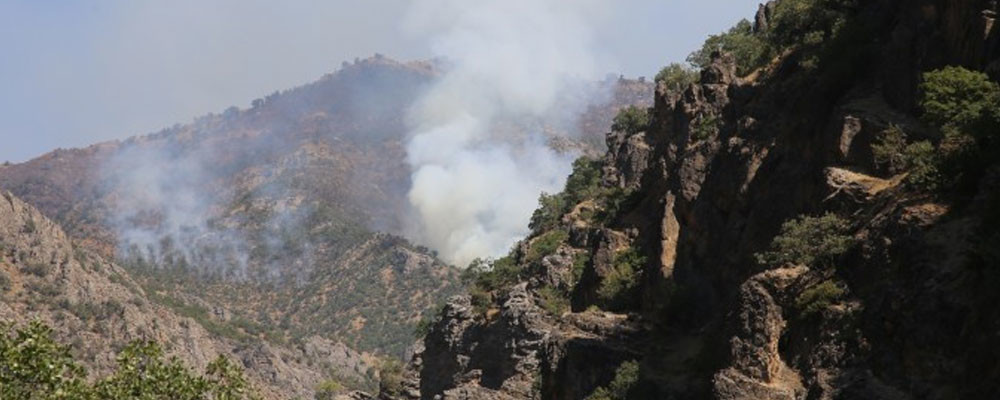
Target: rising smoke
point(476, 183)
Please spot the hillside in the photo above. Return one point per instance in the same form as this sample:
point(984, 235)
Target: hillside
point(97, 308)
point(279, 223)
point(813, 218)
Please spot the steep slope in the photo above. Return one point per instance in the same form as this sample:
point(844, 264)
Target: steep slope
point(277, 215)
point(97, 308)
point(750, 242)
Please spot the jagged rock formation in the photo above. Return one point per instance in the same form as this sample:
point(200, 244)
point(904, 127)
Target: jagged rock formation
point(711, 181)
point(97, 308)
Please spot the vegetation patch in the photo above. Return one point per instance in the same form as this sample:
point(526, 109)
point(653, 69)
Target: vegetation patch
point(625, 378)
point(553, 300)
point(545, 245)
point(623, 277)
point(813, 241)
point(818, 298)
point(631, 120)
point(676, 77)
point(38, 367)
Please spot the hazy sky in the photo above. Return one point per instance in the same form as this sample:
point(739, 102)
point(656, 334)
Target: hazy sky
point(74, 73)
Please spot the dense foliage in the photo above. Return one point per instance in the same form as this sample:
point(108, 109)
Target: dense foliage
point(676, 77)
point(818, 298)
point(34, 366)
point(806, 240)
point(625, 378)
point(623, 277)
point(747, 48)
point(631, 120)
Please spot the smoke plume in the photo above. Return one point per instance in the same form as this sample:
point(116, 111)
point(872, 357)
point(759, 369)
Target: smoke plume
point(475, 180)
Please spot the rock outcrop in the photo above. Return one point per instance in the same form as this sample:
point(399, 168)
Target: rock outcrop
point(903, 314)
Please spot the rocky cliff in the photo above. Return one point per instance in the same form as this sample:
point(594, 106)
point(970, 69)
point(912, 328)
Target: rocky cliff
point(690, 271)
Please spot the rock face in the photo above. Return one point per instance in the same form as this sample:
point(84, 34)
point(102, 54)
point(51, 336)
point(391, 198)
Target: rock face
point(722, 166)
point(95, 306)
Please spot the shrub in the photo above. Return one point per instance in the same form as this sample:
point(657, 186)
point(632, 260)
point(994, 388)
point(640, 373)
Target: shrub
point(676, 77)
point(489, 275)
point(625, 378)
point(5, 282)
point(624, 275)
point(583, 183)
point(391, 377)
point(747, 48)
point(964, 99)
point(705, 126)
point(553, 300)
point(580, 261)
point(545, 245)
point(328, 390)
point(888, 149)
point(808, 241)
point(551, 208)
point(922, 161)
point(809, 22)
point(40, 270)
point(226, 380)
point(818, 298)
point(631, 120)
point(37, 367)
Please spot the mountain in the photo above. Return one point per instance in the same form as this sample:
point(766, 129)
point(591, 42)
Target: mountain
point(277, 227)
point(96, 307)
point(814, 217)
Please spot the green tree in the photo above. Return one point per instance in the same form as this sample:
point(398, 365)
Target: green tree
point(746, 47)
point(227, 382)
point(806, 240)
point(623, 277)
point(33, 366)
point(142, 373)
point(956, 97)
point(818, 298)
point(676, 77)
point(625, 378)
point(631, 120)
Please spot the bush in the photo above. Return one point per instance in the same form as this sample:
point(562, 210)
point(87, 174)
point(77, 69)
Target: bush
point(809, 22)
point(328, 390)
point(676, 77)
point(705, 126)
point(818, 298)
point(391, 377)
point(583, 183)
point(888, 148)
point(5, 282)
point(631, 120)
point(580, 261)
point(490, 275)
point(623, 277)
point(922, 161)
point(625, 378)
point(808, 241)
point(964, 99)
point(36, 367)
point(545, 245)
point(553, 300)
point(40, 270)
point(747, 48)
point(30, 227)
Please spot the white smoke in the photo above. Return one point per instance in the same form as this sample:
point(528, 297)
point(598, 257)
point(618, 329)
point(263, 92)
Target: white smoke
point(475, 184)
